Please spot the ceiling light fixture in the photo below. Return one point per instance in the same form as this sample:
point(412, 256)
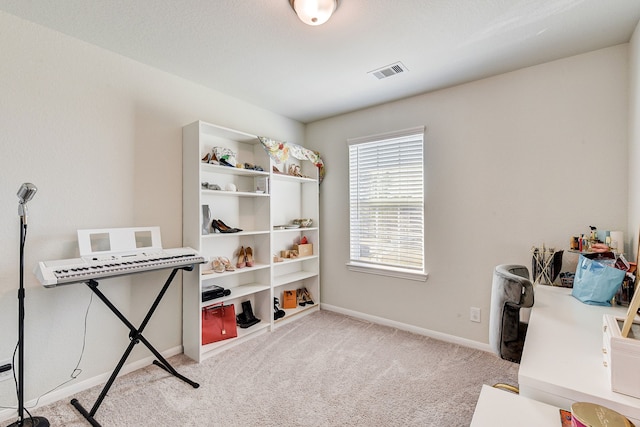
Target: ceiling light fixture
point(314, 12)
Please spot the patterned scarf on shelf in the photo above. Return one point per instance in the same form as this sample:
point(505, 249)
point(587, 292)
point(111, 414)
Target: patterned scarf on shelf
point(279, 151)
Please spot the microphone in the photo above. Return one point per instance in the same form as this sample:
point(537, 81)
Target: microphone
point(25, 193)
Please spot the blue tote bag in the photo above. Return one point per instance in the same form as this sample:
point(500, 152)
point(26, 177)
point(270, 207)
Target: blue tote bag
point(596, 282)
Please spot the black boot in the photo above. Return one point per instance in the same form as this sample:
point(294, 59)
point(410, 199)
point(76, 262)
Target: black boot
point(246, 318)
point(277, 313)
point(240, 319)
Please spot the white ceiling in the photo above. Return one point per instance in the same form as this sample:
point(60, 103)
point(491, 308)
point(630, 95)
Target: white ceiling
point(257, 50)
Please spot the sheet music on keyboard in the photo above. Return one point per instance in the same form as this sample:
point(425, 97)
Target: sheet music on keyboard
point(115, 252)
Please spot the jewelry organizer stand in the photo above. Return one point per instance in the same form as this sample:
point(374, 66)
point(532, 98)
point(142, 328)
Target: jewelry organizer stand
point(546, 264)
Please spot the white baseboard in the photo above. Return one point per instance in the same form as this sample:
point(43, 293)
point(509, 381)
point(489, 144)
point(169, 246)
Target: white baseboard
point(74, 388)
point(409, 328)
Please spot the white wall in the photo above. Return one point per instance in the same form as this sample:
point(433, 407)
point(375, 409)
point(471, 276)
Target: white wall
point(521, 159)
point(634, 138)
point(100, 136)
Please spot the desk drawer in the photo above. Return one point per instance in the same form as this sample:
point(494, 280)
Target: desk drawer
point(606, 348)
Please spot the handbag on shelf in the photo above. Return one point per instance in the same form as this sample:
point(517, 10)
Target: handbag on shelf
point(597, 280)
point(218, 323)
point(289, 299)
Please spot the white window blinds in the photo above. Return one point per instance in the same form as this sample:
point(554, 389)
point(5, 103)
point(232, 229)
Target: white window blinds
point(386, 199)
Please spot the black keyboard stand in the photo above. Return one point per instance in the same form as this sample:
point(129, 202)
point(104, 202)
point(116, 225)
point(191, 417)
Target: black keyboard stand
point(135, 335)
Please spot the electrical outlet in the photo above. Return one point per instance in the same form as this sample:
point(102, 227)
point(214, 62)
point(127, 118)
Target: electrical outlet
point(474, 314)
point(6, 375)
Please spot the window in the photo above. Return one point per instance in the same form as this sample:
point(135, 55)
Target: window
point(386, 204)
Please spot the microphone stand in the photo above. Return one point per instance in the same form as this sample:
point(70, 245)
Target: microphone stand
point(31, 421)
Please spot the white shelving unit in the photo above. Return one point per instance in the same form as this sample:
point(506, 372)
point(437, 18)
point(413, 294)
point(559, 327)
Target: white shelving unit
point(257, 214)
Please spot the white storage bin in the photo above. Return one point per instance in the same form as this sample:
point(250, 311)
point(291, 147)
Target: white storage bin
point(621, 356)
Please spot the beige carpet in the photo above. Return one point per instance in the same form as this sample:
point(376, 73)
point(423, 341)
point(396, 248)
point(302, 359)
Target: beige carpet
point(324, 370)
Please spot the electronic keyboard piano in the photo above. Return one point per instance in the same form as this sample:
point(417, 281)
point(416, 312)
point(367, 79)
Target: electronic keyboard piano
point(115, 252)
point(62, 272)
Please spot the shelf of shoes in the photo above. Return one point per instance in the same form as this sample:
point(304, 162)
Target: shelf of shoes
point(237, 197)
point(290, 313)
point(294, 198)
point(255, 201)
point(258, 297)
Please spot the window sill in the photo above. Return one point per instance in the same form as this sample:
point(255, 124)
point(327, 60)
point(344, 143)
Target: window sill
point(387, 271)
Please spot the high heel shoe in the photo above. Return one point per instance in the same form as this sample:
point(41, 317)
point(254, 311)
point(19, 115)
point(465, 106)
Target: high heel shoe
point(300, 298)
point(216, 224)
point(227, 264)
point(249, 257)
point(306, 295)
point(210, 158)
point(242, 256)
point(294, 170)
point(217, 265)
point(230, 228)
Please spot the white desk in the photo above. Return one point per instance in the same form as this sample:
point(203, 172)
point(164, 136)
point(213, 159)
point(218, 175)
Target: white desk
point(499, 408)
point(562, 358)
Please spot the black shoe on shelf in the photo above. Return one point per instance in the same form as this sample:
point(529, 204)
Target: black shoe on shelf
point(246, 319)
point(225, 225)
point(277, 312)
point(216, 224)
point(306, 296)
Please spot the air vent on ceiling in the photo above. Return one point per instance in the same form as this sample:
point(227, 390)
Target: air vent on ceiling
point(389, 70)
